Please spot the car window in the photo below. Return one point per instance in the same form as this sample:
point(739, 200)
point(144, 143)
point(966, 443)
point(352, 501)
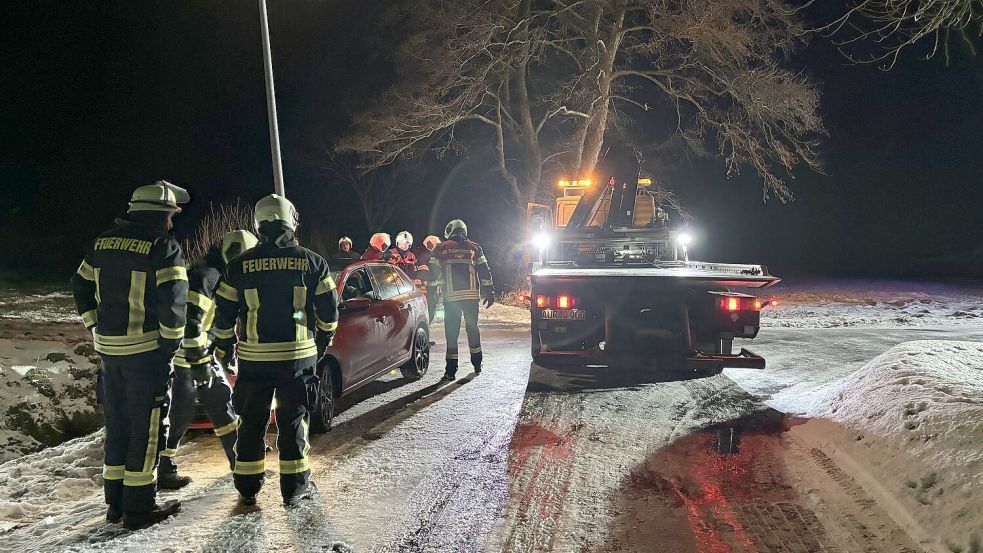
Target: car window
point(356, 285)
point(405, 285)
point(387, 279)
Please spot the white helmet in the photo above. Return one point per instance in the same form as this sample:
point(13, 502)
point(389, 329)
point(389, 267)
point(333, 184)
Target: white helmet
point(380, 241)
point(235, 242)
point(430, 242)
point(345, 240)
point(275, 208)
point(404, 237)
point(454, 227)
point(159, 196)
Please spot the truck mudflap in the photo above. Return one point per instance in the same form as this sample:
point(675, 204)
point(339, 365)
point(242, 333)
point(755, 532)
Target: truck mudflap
point(714, 363)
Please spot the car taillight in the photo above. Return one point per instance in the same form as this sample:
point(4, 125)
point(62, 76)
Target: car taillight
point(542, 301)
point(735, 303)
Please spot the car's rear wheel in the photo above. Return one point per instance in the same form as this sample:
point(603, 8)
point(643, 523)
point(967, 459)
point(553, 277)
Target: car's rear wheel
point(419, 360)
point(322, 414)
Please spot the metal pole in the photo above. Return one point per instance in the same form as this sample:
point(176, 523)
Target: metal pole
point(271, 101)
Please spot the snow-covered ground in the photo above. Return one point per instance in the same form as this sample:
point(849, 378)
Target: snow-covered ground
point(877, 304)
point(915, 419)
point(487, 465)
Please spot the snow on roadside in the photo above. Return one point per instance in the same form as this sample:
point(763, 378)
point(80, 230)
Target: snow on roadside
point(916, 416)
point(47, 394)
point(883, 304)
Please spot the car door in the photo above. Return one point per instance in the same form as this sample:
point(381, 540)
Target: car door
point(393, 323)
point(358, 330)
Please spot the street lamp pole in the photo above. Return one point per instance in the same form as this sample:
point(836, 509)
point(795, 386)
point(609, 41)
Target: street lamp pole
point(271, 101)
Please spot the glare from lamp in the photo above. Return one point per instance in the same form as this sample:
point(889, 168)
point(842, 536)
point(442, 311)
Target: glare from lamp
point(541, 241)
point(684, 239)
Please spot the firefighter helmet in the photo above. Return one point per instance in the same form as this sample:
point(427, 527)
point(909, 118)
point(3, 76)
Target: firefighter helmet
point(345, 240)
point(430, 242)
point(404, 237)
point(159, 196)
point(275, 208)
point(380, 241)
point(454, 227)
point(235, 242)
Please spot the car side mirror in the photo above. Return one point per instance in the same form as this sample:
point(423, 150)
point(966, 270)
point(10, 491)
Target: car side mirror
point(355, 305)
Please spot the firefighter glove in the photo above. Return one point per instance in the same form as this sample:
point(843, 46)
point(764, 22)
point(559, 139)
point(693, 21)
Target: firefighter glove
point(323, 342)
point(489, 298)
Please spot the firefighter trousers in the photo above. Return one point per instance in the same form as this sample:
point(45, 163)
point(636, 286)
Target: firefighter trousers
point(216, 399)
point(453, 312)
point(296, 391)
point(136, 404)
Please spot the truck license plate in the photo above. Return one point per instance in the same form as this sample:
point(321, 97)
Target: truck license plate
point(564, 314)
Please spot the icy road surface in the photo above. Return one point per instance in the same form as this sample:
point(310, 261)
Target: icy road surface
point(482, 465)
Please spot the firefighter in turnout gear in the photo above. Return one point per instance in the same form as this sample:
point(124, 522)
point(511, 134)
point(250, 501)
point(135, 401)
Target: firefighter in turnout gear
point(284, 299)
point(402, 256)
point(130, 291)
point(378, 248)
point(465, 277)
point(426, 277)
point(196, 373)
point(345, 252)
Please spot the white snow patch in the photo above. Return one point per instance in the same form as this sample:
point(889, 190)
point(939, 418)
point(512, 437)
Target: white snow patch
point(882, 304)
point(917, 414)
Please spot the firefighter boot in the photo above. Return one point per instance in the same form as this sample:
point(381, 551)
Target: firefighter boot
point(167, 476)
point(228, 444)
point(114, 515)
point(476, 358)
point(306, 490)
point(161, 511)
point(451, 371)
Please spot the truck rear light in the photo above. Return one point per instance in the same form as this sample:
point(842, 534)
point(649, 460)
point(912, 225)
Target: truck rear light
point(565, 302)
point(737, 303)
point(542, 301)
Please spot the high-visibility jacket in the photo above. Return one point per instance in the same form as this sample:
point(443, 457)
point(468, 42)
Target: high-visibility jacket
point(282, 297)
point(404, 260)
point(131, 289)
point(462, 269)
point(202, 280)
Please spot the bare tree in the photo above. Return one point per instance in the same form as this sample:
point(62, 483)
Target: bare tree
point(893, 26)
point(544, 83)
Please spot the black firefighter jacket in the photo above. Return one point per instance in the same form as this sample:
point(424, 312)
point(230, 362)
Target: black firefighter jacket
point(131, 289)
point(282, 297)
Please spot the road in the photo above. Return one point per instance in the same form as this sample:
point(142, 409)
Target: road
point(483, 465)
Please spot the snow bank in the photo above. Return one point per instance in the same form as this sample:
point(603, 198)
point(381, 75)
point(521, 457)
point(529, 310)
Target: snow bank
point(917, 416)
point(37, 304)
point(882, 304)
point(63, 478)
point(47, 394)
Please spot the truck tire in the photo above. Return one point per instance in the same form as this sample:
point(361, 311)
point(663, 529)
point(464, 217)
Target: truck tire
point(322, 415)
point(416, 367)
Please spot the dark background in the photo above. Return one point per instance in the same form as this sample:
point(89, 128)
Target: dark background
point(97, 98)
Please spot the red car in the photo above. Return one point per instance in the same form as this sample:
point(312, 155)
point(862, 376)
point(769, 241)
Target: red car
point(383, 325)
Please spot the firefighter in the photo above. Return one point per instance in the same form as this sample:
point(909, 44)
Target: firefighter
point(404, 256)
point(465, 277)
point(345, 252)
point(196, 374)
point(286, 305)
point(130, 291)
point(378, 248)
point(425, 277)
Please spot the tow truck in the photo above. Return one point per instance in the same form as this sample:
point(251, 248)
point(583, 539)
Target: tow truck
point(613, 282)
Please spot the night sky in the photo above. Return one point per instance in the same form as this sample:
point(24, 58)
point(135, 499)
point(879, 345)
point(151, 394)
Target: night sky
point(99, 98)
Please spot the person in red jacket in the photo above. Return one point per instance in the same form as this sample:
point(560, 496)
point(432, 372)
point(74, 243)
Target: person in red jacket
point(425, 278)
point(465, 278)
point(378, 248)
point(403, 256)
